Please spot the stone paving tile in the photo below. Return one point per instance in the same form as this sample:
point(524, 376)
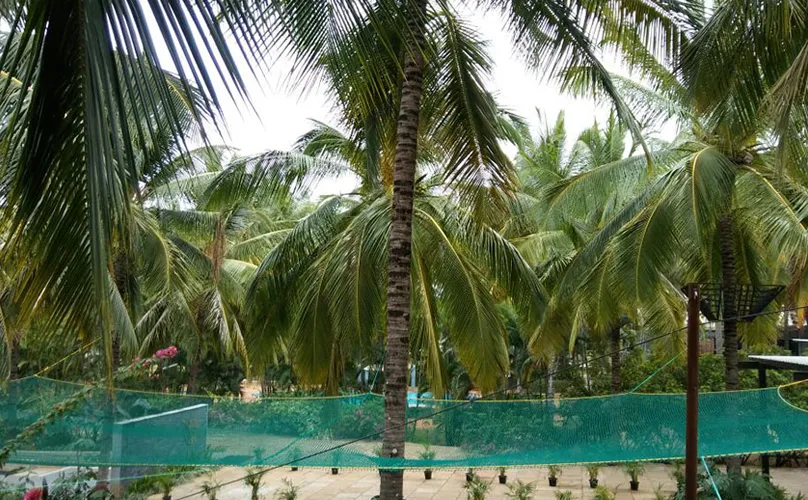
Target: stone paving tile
point(316, 484)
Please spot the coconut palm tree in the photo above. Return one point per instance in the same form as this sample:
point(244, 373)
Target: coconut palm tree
point(724, 211)
point(554, 237)
point(83, 92)
point(331, 269)
point(551, 34)
point(217, 220)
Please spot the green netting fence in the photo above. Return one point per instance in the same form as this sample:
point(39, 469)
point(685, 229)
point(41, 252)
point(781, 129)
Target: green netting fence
point(151, 429)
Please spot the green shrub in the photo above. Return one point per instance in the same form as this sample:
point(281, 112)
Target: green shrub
point(563, 495)
point(634, 470)
point(603, 493)
point(288, 492)
point(748, 486)
point(253, 480)
point(519, 490)
point(211, 488)
point(477, 488)
point(427, 453)
point(797, 395)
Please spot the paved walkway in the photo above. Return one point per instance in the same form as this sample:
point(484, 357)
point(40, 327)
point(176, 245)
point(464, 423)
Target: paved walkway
point(321, 484)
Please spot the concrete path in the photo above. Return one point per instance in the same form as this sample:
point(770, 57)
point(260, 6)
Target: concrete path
point(362, 484)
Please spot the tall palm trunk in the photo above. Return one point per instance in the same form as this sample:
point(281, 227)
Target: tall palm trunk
point(729, 281)
point(617, 360)
point(193, 375)
point(13, 374)
point(551, 369)
point(116, 351)
point(14, 356)
point(398, 266)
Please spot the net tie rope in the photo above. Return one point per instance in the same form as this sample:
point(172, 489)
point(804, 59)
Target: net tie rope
point(710, 476)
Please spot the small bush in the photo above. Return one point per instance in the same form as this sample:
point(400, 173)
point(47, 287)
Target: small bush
point(563, 495)
point(603, 493)
point(253, 480)
point(748, 486)
point(519, 490)
point(634, 470)
point(477, 488)
point(288, 492)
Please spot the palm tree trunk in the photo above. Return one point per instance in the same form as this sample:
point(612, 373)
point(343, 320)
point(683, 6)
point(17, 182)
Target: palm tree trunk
point(14, 356)
point(551, 369)
point(729, 281)
point(617, 360)
point(398, 266)
point(13, 374)
point(116, 350)
point(193, 375)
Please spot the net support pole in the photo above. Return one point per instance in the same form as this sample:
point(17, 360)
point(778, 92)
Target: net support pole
point(692, 412)
point(764, 458)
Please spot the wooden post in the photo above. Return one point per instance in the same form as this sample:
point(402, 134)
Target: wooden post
point(692, 421)
point(764, 458)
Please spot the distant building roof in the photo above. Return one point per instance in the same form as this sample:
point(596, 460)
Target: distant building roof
point(797, 363)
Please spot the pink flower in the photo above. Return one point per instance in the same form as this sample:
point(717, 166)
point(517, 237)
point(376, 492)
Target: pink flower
point(167, 353)
point(33, 494)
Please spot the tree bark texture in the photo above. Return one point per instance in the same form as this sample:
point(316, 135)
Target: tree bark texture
point(729, 282)
point(14, 356)
point(399, 257)
point(193, 375)
point(617, 360)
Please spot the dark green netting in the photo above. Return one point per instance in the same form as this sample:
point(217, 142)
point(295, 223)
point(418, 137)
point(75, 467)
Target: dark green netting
point(164, 429)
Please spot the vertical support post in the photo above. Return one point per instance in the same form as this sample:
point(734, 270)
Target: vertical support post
point(762, 376)
point(764, 458)
point(692, 419)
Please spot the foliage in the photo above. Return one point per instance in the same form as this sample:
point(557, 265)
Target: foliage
point(210, 488)
point(137, 241)
point(555, 470)
point(593, 471)
point(77, 181)
point(161, 482)
point(563, 495)
point(519, 490)
point(639, 364)
point(166, 483)
point(76, 486)
point(750, 485)
point(477, 488)
point(797, 395)
point(603, 493)
point(37, 427)
point(634, 470)
point(253, 480)
point(427, 453)
point(288, 492)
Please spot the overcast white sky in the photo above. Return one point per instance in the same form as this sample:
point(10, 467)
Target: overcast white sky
point(284, 114)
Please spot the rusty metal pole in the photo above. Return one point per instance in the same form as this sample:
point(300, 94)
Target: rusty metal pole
point(692, 429)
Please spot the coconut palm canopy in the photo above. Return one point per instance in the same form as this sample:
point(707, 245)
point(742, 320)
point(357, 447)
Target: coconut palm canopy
point(125, 229)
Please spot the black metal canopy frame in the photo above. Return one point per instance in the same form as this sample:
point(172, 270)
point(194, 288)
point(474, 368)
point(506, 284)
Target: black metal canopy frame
point(750, 300)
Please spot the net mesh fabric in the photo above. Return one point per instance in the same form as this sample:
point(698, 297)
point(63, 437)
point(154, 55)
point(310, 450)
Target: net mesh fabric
point(137, 428)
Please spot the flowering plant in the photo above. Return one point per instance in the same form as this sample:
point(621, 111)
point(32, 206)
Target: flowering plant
point(167, 353)
point(33, 494)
